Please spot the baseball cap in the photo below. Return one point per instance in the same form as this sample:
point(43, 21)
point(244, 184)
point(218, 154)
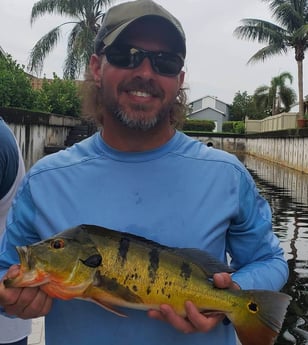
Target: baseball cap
point(119, 17)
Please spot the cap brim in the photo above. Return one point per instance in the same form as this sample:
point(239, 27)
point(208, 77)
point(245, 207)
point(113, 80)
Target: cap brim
point(115, 33)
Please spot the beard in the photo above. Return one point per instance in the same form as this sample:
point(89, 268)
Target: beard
point(138, 119)
point(136, 116)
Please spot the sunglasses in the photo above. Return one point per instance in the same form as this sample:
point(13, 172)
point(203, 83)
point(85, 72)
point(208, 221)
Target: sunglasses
point(163, 63)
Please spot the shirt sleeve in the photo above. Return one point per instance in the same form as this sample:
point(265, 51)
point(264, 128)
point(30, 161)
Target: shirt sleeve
point(9, 159)
point(254, 248)
point(20, 228)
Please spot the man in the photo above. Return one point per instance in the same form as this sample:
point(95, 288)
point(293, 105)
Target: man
point(12, 170)
point(140, 175)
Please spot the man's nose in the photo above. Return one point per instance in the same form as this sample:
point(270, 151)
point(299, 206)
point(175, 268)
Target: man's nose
point(145, 69)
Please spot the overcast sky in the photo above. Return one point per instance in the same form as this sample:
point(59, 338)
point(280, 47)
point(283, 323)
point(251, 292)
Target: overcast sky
point(216, 61)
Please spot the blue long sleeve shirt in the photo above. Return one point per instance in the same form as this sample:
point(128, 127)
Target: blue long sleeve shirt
point(181, 194)
point(9, 159)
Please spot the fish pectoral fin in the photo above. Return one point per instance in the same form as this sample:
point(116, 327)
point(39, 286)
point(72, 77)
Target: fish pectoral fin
point(113, 288)
point(211, 312)
point(108, 307)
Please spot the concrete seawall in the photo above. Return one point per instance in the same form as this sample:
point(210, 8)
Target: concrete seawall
point(34, 131)
point(288, 147)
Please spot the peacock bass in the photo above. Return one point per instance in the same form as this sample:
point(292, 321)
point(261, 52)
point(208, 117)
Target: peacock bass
point(114, 268)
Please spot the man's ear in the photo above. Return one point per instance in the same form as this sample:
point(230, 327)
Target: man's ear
point(95, 67)
point(181, 79)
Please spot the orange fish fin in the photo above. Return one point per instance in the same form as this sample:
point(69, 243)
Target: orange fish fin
point(261, 317)
point(256, 335)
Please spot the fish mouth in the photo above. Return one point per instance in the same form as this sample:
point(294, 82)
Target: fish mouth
point(23, 256)
point(28, 275)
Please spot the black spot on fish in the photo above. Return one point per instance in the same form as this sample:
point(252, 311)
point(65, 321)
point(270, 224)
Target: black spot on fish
point(149, 290)
point(109, 284)
point(253, 307)
point(185, 271)
point(154, 264)
point(93, 260)
point(135, 288)
point(126, 278)
point(123, 249)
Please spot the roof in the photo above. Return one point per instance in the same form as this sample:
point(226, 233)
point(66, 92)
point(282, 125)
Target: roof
point(208, 96)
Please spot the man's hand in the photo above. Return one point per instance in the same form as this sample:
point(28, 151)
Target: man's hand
point(194, 321)
point(25, 303)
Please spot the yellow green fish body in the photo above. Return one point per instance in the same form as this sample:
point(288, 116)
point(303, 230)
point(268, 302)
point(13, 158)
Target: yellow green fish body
point(114, 268)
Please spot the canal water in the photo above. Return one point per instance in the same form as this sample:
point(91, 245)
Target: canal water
point(287, 193)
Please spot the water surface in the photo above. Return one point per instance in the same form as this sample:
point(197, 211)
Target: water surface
point(287, 193)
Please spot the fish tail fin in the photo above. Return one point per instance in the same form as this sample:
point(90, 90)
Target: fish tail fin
point(260, 321)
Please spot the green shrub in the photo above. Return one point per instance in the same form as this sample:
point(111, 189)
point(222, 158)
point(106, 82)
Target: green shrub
point(199, 125)
point(237, 127)
point(59, 97)
point(228, 126)
point(15, 85)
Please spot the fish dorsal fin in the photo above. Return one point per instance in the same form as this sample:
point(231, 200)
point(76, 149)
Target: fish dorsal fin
point(203, 259)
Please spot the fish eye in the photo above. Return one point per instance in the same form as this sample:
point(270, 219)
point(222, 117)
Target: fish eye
point(57, 244)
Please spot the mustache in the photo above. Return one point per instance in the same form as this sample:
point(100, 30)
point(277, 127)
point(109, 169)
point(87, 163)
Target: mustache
point(139, 84)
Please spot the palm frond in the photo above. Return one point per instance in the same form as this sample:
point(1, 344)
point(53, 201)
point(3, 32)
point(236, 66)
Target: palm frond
point(86, 15)
point(287, 96)
point(79, 48)
point(290, 32)
point(267, 52)
point(42, 48)
point(258, 30)
point(43, 7)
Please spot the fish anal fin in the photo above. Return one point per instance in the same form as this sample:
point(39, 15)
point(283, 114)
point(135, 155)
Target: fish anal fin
point(256, 335)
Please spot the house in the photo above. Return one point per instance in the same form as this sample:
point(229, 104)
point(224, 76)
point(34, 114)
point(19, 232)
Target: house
point(209, 108)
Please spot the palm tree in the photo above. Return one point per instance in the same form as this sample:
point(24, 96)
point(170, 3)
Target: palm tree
point(86, 20)
point(277, 97)
point(291, 32)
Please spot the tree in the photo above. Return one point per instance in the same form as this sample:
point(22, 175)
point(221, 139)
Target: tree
point(59, 97)
point(15, 85)
point(291, 32)
point(86, 19)
point(276, 98)
point(243, 105)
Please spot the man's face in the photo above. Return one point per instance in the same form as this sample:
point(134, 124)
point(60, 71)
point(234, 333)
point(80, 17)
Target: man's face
point(139, 97)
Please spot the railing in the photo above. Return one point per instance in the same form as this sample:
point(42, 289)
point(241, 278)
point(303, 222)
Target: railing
point(272, 123)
